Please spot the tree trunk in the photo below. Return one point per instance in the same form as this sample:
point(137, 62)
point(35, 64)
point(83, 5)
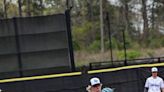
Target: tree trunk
point(145, 20)
point(126, 14)
point(152, 16)
point(20, 8)
point(102, 26)
point(105, 10)
point(41, 7)
point(5, 8)
point(28, 2)
point(90, 11)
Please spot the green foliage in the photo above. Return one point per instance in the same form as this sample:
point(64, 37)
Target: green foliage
point(76, 46)
point(115, 44)
point(95, 46)
point(128, 41)
point(86, 34)
point(131, 54)
point(162, 42)
point(154, 40)
point(11, 10)
point(155, 43)
point(150, 53)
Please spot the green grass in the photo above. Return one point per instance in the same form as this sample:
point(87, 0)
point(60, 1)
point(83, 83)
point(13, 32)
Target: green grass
point(84, 57)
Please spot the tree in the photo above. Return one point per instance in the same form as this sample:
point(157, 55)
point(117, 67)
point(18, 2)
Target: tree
point(90, 10)
point(158, 11)
point(126, 14)
point(5, 8)
point(145, 20)
point(1, 10)
point(153, 15)
point(102, 26)
point(55, 6)
point(9, 9)
point(20, 7)
point(28, 2)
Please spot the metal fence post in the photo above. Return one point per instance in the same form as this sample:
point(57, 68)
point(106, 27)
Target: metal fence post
point(125, 53)
point(110, 38)
point(17, 41)
point(70, 43)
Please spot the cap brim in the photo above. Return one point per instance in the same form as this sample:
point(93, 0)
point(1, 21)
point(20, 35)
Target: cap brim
point(96, 84)
point(154, 71)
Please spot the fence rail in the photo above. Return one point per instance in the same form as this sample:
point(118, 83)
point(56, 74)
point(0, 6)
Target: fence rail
point(109, 64)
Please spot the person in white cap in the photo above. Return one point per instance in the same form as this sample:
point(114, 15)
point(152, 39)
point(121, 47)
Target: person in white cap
point(96, 86)
point(154, 83)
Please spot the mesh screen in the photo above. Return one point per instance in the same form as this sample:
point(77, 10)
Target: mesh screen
point(39, 43)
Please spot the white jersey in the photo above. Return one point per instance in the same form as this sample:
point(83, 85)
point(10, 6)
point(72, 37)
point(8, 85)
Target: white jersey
point(154, 84)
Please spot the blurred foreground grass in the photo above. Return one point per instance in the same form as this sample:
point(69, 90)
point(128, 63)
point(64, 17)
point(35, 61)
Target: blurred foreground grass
point(85, 57)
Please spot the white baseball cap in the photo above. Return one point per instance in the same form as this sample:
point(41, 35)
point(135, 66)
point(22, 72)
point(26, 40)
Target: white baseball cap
point(154, 69)
point(95, 81)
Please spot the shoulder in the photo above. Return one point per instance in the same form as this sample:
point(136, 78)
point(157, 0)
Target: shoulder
point(159, 78)
point(149, 78)
point(107, 89)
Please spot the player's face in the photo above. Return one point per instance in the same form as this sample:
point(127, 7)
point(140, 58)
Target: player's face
point(96, 88)
point(154, 74)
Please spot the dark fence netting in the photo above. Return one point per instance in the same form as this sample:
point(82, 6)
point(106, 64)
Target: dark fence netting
point(129, 80)
point(34, 46)
point(8, 58)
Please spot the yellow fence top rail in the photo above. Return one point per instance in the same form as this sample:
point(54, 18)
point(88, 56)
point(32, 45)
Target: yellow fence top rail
point(125, 67)
point(40, 77)
point(78, 73)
